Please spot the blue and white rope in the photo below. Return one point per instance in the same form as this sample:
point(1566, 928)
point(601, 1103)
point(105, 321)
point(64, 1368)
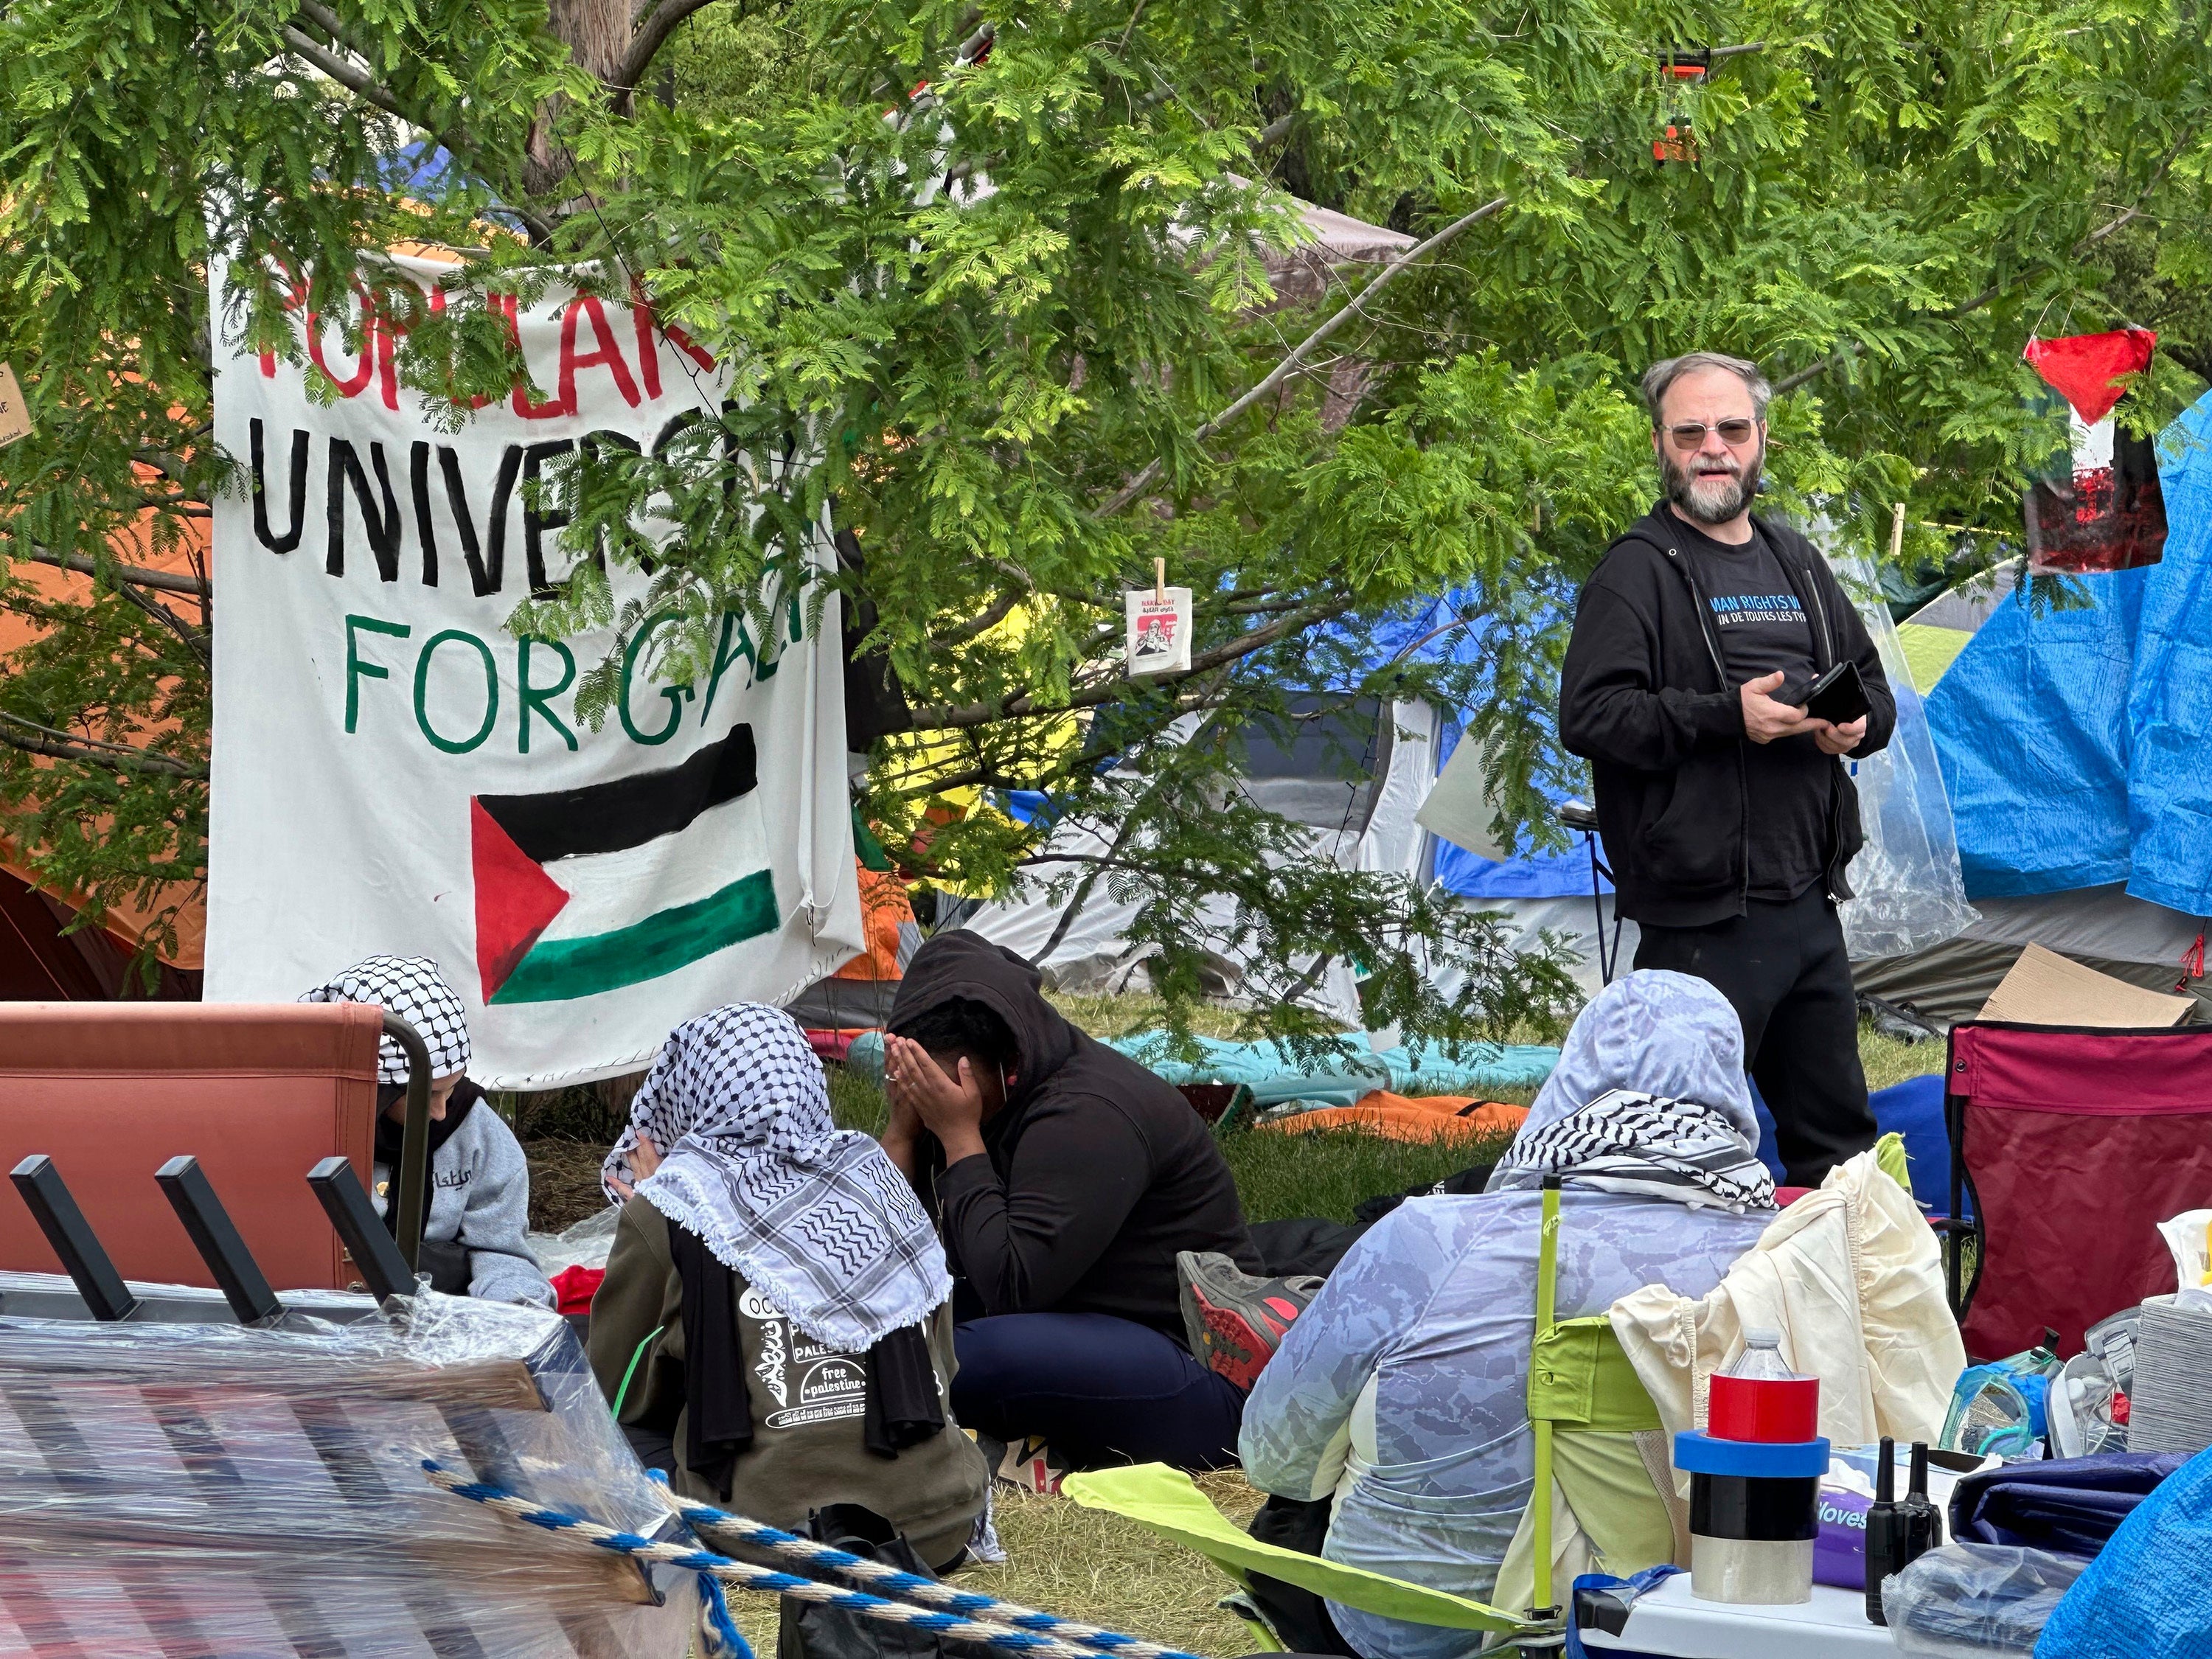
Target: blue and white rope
point(1003, 1637)
point(968, 1604)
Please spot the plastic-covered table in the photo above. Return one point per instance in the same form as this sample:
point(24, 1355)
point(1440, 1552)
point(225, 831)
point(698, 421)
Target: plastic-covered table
point(1671, 1623)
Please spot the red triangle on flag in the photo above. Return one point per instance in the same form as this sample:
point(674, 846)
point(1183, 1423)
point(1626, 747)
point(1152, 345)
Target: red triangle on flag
point(2082, 367)
point(516, 900)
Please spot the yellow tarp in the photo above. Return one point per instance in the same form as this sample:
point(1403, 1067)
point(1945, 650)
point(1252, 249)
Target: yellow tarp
point(1928, 651)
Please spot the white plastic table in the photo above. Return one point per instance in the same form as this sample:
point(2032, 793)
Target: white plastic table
point(1671, 1621)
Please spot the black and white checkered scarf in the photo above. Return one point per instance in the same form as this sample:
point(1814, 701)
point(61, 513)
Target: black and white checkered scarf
point(1648, 1097)
point(411, 987)
point(1623, 1142)
point(816, 1219)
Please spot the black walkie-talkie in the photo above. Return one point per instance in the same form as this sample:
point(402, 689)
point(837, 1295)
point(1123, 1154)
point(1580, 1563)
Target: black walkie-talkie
point(1885, 1533)
point(1923, 1520)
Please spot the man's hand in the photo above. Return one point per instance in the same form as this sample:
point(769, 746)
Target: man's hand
point(1765, 719)
point(1840, 739)
point(949, 1107)
point(644, 1159)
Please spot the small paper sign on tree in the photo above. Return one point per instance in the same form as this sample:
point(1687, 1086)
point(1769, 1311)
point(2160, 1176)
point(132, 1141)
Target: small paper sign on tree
point(15, 419)
point(1160, 626)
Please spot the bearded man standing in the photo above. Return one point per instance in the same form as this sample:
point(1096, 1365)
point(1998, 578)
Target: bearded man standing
point(1728, 812)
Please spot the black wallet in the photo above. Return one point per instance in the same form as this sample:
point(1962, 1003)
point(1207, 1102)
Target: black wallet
point(1839, 696)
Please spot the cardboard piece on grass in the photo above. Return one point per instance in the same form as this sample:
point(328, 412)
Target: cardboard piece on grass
point(2045, 988)
point(1458, 808)
point(14, 418)
point(1159, 630)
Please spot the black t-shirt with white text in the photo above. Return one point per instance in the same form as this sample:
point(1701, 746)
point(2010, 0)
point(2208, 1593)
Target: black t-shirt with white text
point(1762, 626)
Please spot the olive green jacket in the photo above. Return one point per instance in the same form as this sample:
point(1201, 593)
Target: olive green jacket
point(807, 1402)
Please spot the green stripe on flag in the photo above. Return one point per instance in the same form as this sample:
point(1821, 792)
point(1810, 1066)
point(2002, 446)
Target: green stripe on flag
point(556, 970)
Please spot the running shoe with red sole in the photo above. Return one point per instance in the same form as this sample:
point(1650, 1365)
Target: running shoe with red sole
point(1234, 1320)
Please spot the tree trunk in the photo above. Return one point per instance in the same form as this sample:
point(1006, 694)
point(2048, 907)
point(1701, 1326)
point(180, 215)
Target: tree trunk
point(597, 34)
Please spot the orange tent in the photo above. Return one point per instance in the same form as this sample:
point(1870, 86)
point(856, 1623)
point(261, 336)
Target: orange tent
point(858, 996)
point(24, 936)
point(1419, 1118)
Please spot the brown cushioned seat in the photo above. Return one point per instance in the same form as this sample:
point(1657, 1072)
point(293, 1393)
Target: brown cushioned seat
point(112, 1091)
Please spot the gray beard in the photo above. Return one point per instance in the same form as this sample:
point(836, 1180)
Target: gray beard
point(1678, 480)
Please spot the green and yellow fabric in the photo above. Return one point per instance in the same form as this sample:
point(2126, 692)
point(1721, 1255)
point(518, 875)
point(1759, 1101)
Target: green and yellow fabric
point(1166, 1501)
point(1599, 1442)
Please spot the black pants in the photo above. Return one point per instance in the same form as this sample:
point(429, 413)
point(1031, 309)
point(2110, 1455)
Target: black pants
point(1783, 966)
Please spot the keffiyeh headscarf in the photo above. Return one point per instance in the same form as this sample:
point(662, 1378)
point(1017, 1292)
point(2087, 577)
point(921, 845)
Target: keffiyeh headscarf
point(1650, 1098)
point(816, 1217)
point(411, 987)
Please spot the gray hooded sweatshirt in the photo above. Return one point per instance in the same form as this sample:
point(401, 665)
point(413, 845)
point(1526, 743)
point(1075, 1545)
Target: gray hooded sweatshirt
point(480, 1199)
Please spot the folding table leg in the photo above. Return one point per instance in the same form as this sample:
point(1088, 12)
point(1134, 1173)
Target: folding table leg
point(237, 1274)
point(47, 1197)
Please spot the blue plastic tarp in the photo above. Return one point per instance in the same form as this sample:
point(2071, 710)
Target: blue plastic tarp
point(1275, 1077)
point(2031, 726)
point(1433, 633)
point(2076, 739)
point(2170, 697)
point(1532, 875)
point(2144, 1595)
point(1351, 1070)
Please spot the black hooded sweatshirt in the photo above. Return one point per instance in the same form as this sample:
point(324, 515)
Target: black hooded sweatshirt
point(1095, 1173)
point(1645, 696)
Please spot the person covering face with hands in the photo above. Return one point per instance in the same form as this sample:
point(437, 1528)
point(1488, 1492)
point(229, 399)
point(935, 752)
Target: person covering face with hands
point(951, 1102)
point(1065, 1179)
point(1728, 813)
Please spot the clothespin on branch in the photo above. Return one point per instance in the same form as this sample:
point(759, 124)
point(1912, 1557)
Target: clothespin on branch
point(1160, 581)
point(1897, 532)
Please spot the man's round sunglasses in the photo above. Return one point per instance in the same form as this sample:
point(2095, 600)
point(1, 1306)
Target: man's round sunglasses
point(1689, 436)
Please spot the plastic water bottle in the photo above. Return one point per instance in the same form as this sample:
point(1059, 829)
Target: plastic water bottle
point(1761, 1358)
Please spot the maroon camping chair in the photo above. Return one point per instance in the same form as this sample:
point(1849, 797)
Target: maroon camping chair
point(2072, 1143)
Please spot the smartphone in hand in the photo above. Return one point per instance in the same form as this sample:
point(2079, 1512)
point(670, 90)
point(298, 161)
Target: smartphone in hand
point(1839, 696)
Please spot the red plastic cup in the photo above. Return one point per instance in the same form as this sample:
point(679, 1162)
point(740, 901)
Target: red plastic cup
point(1767, 1410)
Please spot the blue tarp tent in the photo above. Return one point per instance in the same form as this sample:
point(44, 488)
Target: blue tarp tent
point(1536, 891)
point(2074, 731)
point(1427, 633)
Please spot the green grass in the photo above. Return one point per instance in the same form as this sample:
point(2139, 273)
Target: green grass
point(1887, 1061)
point(1280, 1175)
point(1087, 1564)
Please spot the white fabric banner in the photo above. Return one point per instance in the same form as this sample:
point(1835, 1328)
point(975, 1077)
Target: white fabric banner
point(394, 772)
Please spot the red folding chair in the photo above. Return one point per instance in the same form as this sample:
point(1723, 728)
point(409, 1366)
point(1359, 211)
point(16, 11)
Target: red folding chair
point(2073, 1143)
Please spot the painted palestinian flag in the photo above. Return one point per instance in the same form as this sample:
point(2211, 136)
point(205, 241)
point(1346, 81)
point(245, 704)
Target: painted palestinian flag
point(2098, 507)
point(557, 875)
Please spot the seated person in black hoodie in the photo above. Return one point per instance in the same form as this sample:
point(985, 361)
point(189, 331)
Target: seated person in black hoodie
point(1064, 1178)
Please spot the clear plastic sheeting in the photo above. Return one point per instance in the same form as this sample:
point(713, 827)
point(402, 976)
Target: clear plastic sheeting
point(201, 1490)
point(1911, 893)
point(1976, 1600)
point(586, 1243)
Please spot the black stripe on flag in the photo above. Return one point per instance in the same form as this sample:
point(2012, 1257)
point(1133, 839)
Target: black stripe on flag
point(607, 818)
